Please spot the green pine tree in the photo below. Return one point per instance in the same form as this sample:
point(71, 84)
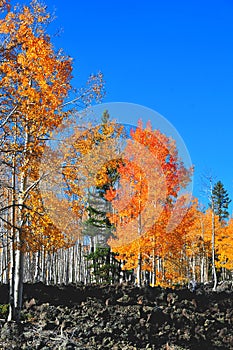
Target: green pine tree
point(97, 225)
point(221, 201)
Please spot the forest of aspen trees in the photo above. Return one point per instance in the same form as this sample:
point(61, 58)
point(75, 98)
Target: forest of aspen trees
point(71, 215)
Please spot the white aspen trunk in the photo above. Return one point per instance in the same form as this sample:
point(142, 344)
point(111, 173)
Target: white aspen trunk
point(194, 268)
point(19, 256)
point(51, 268)
point(202, 269)
point(153, 281)
point(31, 263)
point(6, 255)
point(37, 266)
point(139, 270)
point(139, 267)
point(28, 276)
point(11, 314)
point(163, 268)
point(74, 264)
point(26, 267)
point(213, 253)
point(48, 268)
point(203, 255)
point(77, 263)
point(214, 274)
point(7, 264)
point(17, 276)
point(224, 273)
point(60, 257)
point(54, 268)
point(59, 266)
point(63, 264)
point(19, 269)
point(206, 268)
point(11, 285)
point(43, 271)
point(8, 246)
point(82, 264)
point(67, 273)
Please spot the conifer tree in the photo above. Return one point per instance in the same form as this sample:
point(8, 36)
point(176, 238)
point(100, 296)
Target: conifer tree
point(221, 201)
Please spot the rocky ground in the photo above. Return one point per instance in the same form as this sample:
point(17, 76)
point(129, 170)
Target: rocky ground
point(120, 317)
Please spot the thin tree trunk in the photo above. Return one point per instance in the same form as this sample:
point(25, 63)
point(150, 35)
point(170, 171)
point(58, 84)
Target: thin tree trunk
point(19, 268)
point(153, 282)
point(202, 268)
point(43, 267)
point(37, 266)
point(11, 315)
point(139, 267)
point(139, 270)
point(67, 276)
point(214, 274)
point(74, 264)
point(203, 253)
point(194, 268)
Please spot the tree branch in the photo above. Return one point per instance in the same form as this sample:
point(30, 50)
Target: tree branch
point(8, 116)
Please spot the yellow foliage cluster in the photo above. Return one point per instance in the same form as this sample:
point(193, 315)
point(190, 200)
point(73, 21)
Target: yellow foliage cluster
point(35, 80)
point(181, 251)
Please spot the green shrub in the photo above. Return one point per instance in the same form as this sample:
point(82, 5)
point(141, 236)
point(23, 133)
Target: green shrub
point(4, 308)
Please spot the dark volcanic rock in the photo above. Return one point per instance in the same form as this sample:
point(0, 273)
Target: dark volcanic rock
point(120, 317)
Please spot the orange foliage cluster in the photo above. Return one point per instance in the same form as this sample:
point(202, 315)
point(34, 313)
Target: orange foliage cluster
point(171, 236)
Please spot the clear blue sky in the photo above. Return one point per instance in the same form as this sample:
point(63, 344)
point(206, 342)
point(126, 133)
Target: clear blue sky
point(175, 57)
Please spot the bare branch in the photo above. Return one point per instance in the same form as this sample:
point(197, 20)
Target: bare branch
point(26, 192)
point(8, 116)
point(10, 224)
point(13, 205)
